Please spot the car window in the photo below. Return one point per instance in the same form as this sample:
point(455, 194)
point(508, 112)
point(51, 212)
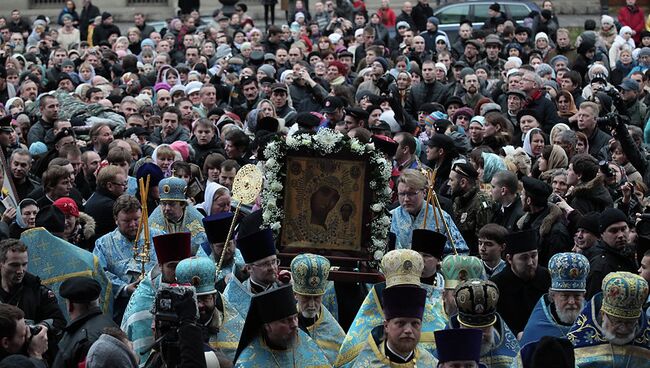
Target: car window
point(518, 11)
point(453, 14)
point(480, 13)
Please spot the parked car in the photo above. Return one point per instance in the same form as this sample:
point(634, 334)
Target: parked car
point(451, 15)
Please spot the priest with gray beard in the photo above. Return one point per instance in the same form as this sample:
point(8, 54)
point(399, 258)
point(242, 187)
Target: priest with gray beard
point(612, 331)
point(557, 310)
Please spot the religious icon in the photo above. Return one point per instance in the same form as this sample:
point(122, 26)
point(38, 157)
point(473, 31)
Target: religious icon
point(323, 204)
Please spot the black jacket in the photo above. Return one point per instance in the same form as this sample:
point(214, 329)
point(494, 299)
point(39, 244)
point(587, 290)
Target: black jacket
point(597, 141)
point(100, 207)
point(87, 17)
point(202, 151)
point(508, 217)
point(554, 236)
point(591, 197)
point(517, 298)
point(420, 13)
point(606, 260)
point(546, 111)
point(79, 335)
point(103, 31)
point(191, 354)
point(423, 93)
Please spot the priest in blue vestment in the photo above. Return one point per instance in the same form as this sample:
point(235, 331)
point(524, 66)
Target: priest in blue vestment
point(477, 308)
point(216, 229)
point(174, 215)
point(396, 342)
point(271, 336)
point(414, 211)
point(220, 322)
point(557, 310)
point(612, 330)
point(400, 267)
point(309, 273)
point(262, 264)
point(170, 249)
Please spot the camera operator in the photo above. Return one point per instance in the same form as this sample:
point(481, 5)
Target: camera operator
point(177, 346)
point(25, 291)
point(16, 337)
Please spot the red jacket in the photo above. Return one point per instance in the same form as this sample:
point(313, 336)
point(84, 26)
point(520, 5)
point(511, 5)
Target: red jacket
point(387, 17)
point(634, 19)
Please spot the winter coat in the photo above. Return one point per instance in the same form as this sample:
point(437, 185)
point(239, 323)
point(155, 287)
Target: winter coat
point(554, 237)
point(607, 260)
point(632, 17)
point(79, 335)
point(591, 196)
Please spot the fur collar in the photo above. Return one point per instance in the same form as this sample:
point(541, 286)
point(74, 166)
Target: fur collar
point(554, 214)
point(88, 225)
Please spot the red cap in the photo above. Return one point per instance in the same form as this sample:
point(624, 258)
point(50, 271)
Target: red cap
point(173, 247)
point(68, 206)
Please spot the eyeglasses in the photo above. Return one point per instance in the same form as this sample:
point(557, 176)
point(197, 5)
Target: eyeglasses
point(267, 264)
point(408, 194)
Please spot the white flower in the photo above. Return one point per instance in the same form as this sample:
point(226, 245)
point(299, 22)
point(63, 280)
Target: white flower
point(378, 255)
point(276, 186)
point(271, 163)
point(385, 220)
point(373, 184)
point(377, 207)
point(370, 146)
point(266, 216)
point(275, 226)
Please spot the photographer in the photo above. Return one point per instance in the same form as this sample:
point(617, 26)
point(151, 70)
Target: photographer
point(25, 291)
point(16, 337)
point(176, 337)
point(306, 94)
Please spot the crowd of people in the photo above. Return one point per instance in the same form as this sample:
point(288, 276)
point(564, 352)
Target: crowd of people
point(519, 174)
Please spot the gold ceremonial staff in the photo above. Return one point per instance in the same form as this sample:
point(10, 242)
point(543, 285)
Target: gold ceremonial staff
point(432, 198)
point(245, 189)
point(142, 256)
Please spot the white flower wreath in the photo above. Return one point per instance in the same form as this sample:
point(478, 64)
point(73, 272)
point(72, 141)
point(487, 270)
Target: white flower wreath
point(325, 142)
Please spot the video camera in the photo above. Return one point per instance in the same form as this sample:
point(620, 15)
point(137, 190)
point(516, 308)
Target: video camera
point(611, 120)
point(166, 316)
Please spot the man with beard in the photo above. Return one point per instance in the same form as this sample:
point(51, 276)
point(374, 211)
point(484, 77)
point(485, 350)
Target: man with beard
point(174, 215)
point(545, 218)
point(523, 283)
point(309, 273)
point(262, 264)
point(457, 269)
point(219, 320)
point(396, 342)
point(612, 330)
point(115, 252)
point(473, 208)
point(477, 308)
point(441, 152)
point(402, 268)
point(170, 250)
point(557, 310)
point(216, 230)
point(170, 130)
point(271, 334)
point(613, 253)
point(111, 183)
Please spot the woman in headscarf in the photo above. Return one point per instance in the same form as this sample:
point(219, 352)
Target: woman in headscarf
point(216, 200)
point(25, 219)
point(553, 158)
point(566, 106)
point(534, 142)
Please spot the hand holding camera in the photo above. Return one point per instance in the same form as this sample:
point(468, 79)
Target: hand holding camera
point(37, 340)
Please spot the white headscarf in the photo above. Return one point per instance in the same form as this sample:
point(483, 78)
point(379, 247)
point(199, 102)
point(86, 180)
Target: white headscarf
point(210, 189)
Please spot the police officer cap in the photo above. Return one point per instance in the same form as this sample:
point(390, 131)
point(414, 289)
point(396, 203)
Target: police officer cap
point(80, 289)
